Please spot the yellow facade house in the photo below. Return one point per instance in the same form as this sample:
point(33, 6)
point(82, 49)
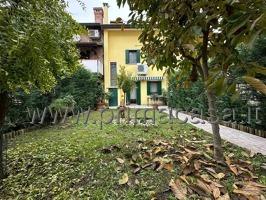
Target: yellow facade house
point(122, 48)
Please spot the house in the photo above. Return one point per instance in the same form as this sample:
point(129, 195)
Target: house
point(122, 48)
point(90, 44)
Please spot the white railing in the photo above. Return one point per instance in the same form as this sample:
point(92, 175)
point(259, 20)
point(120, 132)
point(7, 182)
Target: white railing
point(95, 66)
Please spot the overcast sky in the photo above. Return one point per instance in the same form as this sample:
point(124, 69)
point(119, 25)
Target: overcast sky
point(87, 15)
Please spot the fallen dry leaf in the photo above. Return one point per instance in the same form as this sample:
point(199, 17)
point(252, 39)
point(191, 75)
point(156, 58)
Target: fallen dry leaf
point(227, 160)
point(250, 190)
point(224, 197)
point(178, 189)
point(207, 163)
point(220, 175)
point(197, 165)
point(120, 160)
point(147, 155)
point(185, 159)
point(160, 142)
point(157, 150)
point(169, 166)
point(249, 172)
point(216, 193)
point(184, 178)
point(163, 163)
point(192, 151)
point(147, 165)
point(123, 180)
point(205, 187)
point(188, 169)
point(206, 178)
point(198, 190)
point(210, 170)
point(233, 168)
point(137, 170)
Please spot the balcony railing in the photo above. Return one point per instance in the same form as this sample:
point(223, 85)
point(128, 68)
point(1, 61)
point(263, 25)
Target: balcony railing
point(95, 66)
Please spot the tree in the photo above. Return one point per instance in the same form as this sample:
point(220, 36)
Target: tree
point(125, 82)
point(199, 38)
point(256, 55)
point(36, 47)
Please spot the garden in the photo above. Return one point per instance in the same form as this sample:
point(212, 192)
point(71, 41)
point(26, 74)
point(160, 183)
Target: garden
point(57, 141)
point(123, 161)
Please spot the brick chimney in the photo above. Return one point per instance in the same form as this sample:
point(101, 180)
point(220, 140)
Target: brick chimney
point(98, 14)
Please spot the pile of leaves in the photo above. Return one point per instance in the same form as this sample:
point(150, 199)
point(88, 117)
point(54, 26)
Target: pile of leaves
point(198, 175)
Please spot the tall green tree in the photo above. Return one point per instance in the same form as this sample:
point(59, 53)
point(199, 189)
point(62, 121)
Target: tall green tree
point(125, 82)
point(189, 35)
point(36, 47)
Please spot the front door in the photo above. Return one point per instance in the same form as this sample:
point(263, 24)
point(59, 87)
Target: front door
point(138, 91)
point(113, 101)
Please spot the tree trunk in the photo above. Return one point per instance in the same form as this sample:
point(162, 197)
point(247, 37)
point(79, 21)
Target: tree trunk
point(125, 99)
point(3, 109)
point(217, 141)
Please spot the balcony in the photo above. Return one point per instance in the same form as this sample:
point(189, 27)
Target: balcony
point(95, 66)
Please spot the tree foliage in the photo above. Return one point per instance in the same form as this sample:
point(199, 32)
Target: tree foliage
point(124, 81)
point(36, 47)
point(179, 33)
point(36, 44)
point(199, 39)
point(194, 96)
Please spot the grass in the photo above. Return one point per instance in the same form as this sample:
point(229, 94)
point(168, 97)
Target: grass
point(74, 161)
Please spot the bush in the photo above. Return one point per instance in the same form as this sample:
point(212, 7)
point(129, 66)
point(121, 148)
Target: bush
point(63, 103)
point(83, 89)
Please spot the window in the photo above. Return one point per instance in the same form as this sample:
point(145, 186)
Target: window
point(113, 74)
point(154, 87)
point(132, 56)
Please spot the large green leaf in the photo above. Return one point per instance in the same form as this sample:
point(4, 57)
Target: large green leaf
point(255, 83)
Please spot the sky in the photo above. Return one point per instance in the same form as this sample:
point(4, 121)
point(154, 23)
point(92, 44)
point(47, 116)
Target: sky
point(87, 15)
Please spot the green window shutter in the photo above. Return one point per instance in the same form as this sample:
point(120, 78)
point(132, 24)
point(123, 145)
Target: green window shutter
point(138, 85)
point(128, 96)
point(127, 56)
point(148, 88)
point(159, 88)
point(138, 56)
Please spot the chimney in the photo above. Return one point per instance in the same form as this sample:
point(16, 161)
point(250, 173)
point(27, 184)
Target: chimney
point(105, 11)
point(98, 14)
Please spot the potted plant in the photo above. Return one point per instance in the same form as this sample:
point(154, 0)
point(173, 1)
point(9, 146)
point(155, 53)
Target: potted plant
point(125, 83)
point(155, 104)
point(103, 99)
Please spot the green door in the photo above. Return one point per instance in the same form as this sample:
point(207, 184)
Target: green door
point(138, 88)
point(113, 101)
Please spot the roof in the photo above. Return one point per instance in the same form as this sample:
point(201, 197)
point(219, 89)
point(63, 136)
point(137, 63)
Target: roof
point(91, 25)
point(117, 26)
point(107, 26)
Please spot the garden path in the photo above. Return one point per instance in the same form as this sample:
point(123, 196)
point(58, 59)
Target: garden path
point(253, 143)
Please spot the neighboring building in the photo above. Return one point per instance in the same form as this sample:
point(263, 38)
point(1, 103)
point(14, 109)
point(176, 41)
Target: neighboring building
point(122, 48)
point(91, 44)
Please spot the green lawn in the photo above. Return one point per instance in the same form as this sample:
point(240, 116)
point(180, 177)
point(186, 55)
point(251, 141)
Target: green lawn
point(77, 162)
